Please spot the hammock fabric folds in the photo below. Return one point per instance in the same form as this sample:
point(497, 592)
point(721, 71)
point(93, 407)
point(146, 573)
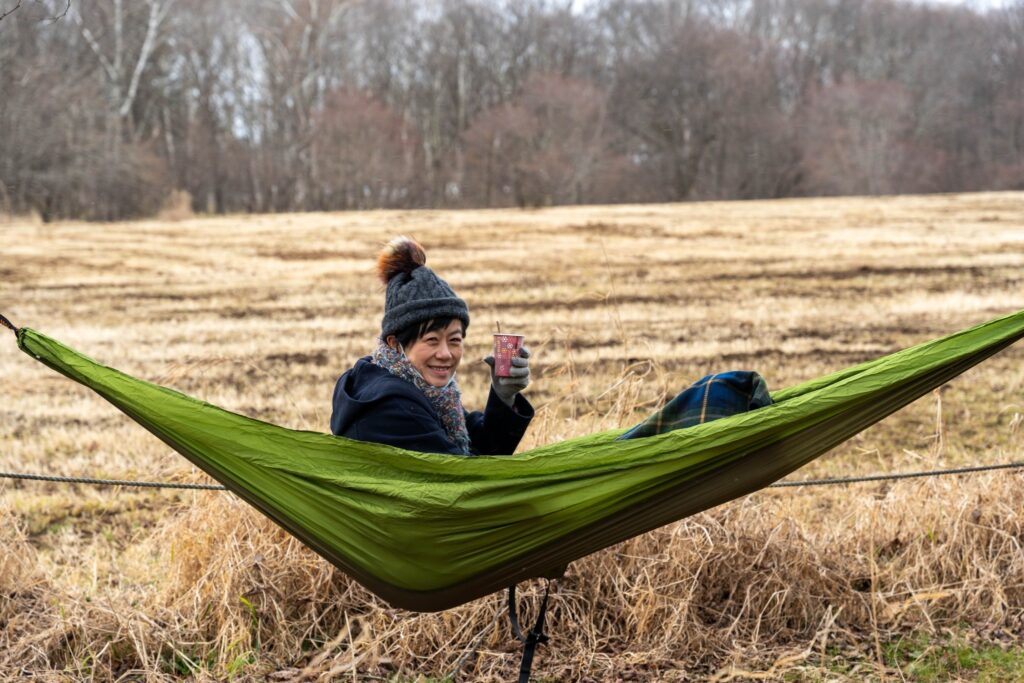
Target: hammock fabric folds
point(428, 532)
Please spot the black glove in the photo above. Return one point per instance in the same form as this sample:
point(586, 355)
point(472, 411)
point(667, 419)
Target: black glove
point(507, 387)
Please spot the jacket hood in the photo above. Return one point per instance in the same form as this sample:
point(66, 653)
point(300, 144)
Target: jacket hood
point(357, 390)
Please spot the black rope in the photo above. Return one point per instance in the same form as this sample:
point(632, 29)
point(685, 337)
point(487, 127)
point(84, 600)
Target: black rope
point(778, 484)
point(535, 637)
point(890, 477)
point(112, 482)
point(8, 324)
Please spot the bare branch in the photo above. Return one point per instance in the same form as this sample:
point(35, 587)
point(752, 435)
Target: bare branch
point(17, 5)
point(58, 17)
point(95, 47)
point(11, 11)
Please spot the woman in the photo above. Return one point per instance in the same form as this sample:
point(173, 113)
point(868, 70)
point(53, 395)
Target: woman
point(405, 393)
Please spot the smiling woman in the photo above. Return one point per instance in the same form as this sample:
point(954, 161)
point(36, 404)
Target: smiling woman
point(438, 352)
point(405, 393)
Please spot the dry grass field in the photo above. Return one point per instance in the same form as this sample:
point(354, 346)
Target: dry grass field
point(622, 306)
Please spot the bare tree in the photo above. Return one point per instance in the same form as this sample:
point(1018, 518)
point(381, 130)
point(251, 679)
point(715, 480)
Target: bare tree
point(671, 94)
point(544, 147)
point(1008, 110)
point(306, 104)
point(297, 42)
point(858, 140)
point(122, 40)
point(366, 154)
point(54, 156)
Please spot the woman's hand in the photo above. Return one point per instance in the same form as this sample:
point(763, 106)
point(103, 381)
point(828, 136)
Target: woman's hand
point(507, 387)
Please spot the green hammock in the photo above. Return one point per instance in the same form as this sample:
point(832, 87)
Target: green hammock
point(428, 532)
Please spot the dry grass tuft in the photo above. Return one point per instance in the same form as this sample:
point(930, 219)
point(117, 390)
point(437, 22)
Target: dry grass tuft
point(177, 207)
point(751, 582)
point(27, 636)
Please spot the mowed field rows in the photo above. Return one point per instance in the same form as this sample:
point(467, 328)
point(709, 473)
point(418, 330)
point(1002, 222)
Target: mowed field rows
point(622, 306)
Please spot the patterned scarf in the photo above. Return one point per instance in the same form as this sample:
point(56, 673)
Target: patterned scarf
point(446, 400)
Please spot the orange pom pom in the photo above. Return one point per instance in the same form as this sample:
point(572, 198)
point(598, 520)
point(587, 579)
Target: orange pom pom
point(400, 255)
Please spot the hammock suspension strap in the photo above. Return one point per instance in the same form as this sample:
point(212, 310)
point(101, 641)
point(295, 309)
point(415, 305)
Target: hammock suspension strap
point(536, 635)
point(8, 324)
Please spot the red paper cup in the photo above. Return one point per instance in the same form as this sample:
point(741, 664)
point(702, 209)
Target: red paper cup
point(506, 347)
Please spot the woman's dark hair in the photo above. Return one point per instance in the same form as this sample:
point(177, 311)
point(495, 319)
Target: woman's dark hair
point(408, 336)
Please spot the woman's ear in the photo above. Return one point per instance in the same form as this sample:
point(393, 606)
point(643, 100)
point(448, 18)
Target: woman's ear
point(391, 341)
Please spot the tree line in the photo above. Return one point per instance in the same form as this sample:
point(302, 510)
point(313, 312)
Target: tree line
point(294, 105)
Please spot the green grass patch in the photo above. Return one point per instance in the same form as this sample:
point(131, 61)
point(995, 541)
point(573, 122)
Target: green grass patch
point(924, 658)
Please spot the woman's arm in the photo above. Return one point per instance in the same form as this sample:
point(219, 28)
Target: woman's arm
point(500, 427)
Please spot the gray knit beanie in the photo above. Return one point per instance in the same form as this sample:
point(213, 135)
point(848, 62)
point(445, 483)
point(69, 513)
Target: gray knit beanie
point(414, 292)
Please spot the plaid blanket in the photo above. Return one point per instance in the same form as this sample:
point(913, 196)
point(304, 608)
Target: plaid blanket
point(710, 398)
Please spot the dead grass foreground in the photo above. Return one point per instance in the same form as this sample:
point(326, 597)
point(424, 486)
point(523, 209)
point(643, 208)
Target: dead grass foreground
point(772, 583)
point(622, 306)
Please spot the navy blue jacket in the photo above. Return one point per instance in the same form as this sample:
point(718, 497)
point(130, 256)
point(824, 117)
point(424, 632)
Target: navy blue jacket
point(371, 404)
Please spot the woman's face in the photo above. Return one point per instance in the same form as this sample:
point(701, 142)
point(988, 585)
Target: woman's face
point(436, 354)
